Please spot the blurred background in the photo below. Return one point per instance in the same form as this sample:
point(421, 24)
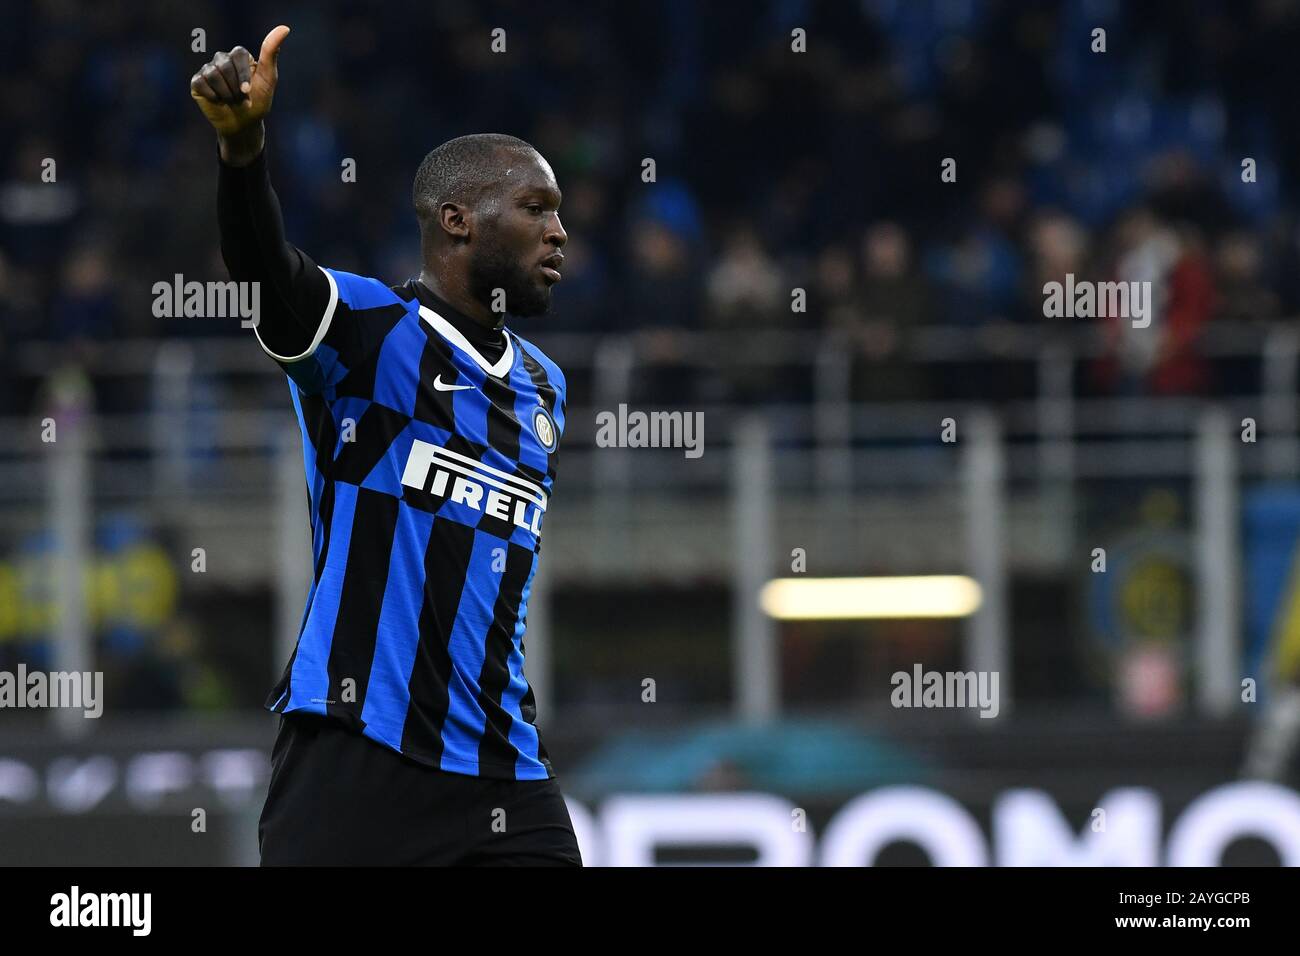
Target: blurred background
point(1126, 499)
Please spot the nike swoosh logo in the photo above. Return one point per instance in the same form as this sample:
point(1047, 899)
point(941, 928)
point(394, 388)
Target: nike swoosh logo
point(441, 386)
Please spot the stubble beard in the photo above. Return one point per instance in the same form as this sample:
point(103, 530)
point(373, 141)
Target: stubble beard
point(493, 269)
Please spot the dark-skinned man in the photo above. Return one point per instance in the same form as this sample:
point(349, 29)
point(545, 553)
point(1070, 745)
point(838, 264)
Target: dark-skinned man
point(429, 431)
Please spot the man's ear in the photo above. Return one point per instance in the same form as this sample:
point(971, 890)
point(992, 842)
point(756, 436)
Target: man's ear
point(453, 219)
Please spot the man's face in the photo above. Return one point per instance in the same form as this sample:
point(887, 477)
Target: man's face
point(518, 238)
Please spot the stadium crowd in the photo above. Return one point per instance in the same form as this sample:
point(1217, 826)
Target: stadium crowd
point(774, 169)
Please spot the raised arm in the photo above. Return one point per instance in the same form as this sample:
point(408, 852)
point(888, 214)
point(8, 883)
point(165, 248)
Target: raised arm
point(234, 92)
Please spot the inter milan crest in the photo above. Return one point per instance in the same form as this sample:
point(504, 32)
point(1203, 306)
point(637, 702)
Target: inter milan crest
point(544, 428)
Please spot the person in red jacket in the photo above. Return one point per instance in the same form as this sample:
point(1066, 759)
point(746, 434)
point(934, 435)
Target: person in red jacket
point(1161, 358)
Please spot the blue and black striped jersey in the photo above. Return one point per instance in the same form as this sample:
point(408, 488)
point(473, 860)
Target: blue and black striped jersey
point(429, 467)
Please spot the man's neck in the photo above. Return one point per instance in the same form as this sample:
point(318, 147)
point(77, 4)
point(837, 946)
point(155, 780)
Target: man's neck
point(458, 297)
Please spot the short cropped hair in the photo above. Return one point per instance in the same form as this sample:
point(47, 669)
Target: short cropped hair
point(461, 170)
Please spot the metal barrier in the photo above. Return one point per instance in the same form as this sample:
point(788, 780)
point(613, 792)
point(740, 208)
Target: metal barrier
point(829, 455)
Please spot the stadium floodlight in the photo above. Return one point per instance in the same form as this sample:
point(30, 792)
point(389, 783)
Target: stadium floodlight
point(832, 599)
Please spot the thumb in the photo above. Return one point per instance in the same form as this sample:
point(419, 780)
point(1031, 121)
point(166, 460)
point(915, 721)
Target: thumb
point(270, 53)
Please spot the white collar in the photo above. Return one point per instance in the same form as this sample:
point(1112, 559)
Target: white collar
point(454, 336)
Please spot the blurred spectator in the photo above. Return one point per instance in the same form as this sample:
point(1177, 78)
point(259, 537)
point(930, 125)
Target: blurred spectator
point(661, 297)
point(980, 270)
point(1239, 270)
point(744, 288)
point(1058, 247)
point(893, 296)
point(1160, 358)
point(891, 300)
point(662, 290)
point(834, 285)
point(84, 306)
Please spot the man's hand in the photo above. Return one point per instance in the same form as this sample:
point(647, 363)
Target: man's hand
point(235, 92)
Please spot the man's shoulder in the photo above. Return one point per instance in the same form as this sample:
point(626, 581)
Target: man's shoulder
point(360, 292)
point(552, 370)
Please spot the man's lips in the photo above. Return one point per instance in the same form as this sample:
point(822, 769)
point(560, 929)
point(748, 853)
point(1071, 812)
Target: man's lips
point(550, 267)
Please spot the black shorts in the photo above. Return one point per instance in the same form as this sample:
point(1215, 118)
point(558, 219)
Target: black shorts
point(339, 799)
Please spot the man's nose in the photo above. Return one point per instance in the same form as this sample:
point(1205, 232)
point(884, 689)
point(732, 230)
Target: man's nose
point(556, 234)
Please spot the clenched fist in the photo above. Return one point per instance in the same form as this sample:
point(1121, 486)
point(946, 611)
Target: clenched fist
point(234, 91)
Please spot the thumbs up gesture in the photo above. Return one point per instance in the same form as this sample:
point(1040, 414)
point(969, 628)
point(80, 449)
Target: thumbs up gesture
point(234, 91)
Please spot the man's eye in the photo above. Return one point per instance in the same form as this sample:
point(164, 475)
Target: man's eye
point(534, 207)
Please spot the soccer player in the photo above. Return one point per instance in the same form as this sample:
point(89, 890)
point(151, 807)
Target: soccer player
point(429, 433)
